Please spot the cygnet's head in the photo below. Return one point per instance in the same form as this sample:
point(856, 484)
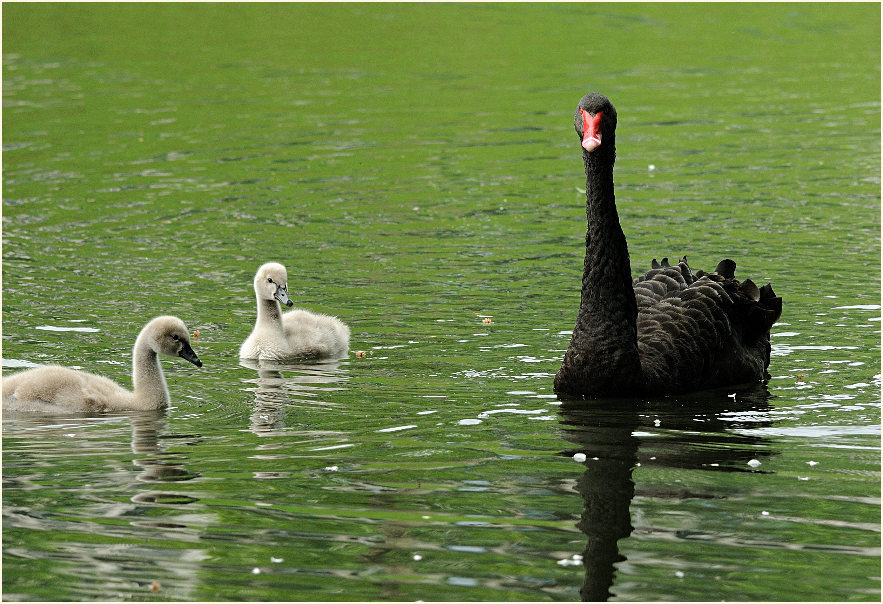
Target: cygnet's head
point(271, 282)
point(169, 336)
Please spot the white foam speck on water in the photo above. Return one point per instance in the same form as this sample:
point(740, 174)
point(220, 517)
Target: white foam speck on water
point(333, 447)
point(18, 363)
point(485, 414)
point(397, 428)
point(56, 328)
point(574, 560)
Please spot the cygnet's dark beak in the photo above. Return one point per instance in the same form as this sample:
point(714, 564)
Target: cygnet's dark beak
point(282, 296)
point(187, 354)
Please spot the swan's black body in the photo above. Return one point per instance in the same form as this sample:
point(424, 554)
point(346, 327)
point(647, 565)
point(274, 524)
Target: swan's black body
point(667, 331)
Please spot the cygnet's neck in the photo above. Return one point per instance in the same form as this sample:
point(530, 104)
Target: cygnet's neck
point(148, 381)
point(269, 313)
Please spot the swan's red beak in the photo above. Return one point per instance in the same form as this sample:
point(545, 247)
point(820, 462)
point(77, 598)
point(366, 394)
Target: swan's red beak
point(591, 130)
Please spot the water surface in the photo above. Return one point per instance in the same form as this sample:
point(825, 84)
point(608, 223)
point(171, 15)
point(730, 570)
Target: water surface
point(415, 168)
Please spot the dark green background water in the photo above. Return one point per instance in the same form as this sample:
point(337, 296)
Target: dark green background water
point(416, 169)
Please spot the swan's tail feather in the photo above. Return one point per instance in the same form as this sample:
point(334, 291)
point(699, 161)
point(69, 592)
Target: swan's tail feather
point(726, 268)
point(756, 309)
point(748, 288)
point(771, 302)
point(685, 271)
point(662, 281)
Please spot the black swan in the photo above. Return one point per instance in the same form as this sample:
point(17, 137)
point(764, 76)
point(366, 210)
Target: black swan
point(668, 331)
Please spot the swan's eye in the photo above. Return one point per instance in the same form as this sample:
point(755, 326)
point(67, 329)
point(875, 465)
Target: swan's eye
point(175, 337)
point(270, 279)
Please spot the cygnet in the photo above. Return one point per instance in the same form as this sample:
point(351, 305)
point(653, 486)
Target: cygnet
point(298, 334)
point(54, 388)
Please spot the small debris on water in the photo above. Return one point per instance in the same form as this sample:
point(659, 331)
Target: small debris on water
point(651, 167)
point(764, 513)
point(275, 560)
point(812, 463)
point(579, 457)
point(679, 574)
point(155, 586)
point(331, 468)
point(753, 463)
point(196, 336)
point(361, 354)
point(487, 321)
point(417, 557)
point(255, 571)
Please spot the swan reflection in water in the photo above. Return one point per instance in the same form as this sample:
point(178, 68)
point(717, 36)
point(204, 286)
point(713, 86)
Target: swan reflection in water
point(159, 467)
point(281, 388)
point(155, 463)
point(617, 435)
point(149, 485)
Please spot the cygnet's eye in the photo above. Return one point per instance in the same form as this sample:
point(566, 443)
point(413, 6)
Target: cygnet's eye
point(175, 337)
point(270, 279)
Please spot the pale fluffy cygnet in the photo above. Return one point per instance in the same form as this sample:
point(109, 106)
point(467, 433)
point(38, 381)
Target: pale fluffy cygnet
point(55, 388)
point(297, 334)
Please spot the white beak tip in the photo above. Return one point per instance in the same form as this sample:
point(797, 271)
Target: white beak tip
point(591, 143)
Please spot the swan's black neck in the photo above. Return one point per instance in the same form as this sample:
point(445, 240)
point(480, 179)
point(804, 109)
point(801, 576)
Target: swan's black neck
point(602, 359)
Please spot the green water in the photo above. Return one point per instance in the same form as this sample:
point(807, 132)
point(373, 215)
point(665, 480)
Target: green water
point(416, 169)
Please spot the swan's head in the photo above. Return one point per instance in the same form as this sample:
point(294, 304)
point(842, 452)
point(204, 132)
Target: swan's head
point(169, 336)
point(595, 122)
point(271, 283)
